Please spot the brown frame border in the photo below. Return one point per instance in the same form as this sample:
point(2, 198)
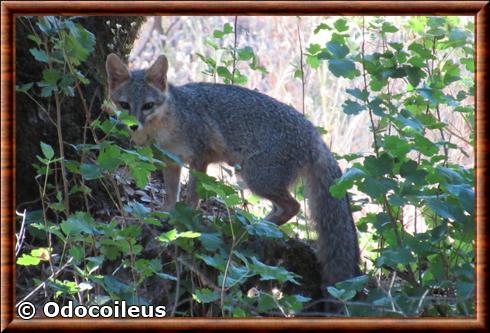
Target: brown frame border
point(478, 9)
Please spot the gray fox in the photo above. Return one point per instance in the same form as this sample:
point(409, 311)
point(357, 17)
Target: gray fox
point(274, 144)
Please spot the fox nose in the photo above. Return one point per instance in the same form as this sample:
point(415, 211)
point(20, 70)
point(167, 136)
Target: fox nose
point(134, 127)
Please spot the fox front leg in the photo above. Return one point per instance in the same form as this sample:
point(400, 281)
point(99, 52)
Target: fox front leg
point(192, 197)
point(171, 176)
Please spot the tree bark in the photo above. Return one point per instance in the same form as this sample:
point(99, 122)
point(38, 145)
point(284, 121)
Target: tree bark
point(113, 34)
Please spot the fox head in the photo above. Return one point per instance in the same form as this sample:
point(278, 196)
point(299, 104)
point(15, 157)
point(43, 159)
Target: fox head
point(141, 92)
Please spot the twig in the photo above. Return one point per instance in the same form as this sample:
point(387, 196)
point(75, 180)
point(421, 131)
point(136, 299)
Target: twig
point(177, 287)
point(42, 284)
point(421, 301)
point(234, 51)
point(376, 147)
point(22, 231)
point(204, 279)
point(62, 155)
point(303, 110)
point(301, 67)
point(228, 262)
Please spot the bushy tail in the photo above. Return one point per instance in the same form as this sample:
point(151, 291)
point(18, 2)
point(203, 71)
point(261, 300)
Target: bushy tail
point(338, 248)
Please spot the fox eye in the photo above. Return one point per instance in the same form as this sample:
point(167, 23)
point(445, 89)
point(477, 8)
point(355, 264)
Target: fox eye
point(148, 106)
point(124, 105)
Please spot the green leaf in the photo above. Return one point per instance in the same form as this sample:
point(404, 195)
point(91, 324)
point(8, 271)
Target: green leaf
point(264, 228)
point(90, 171)
point(47, 150)
point(420, 50)
point(396, 46)
point(358, 93)
point(407, 121)
point(432, 95)
point(375, 188)
point(165, 276)
point(137, 209)
point(388, 27)
point(24, 87)
point(340, 38)
point(79, 43)
point(352, 108)
point(342, 68)
point(218, 262)
point(218, 34)
point(224, 72)
point(39, 55)
point(424, 145)
point(36, 39)
point(126, 118)
point(414, 75)
point(321, 26)
point(418, 23)
point(336, 293)
point(379, 166)
point(140, 172)
point(465, 195)
point(444, 209)
point(34, 258)
point(267, 272)
point(245, 53)
point(356, 283)
point(469, 63)
point(345, 182)
point(341, 294)
point(396, 146)
point(449, 175)
point(313, 61)
point(395, 256)
point(338, 50)
point(409, 171)
point(51, 76)
point(341, 25)
point(266, 302)
point(168, 236)
point(47, 91)
point(313, 49)
point(206, 295)
point(79, 222)
point(465, 290)
point(189, 234)
point(227, 28)
point(114, 286)
point(211, 241)
point(109, 157)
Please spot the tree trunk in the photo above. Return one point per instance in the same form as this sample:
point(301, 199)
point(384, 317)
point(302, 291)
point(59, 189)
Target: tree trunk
point(113, 34)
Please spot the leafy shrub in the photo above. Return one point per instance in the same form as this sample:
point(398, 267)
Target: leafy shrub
point(95, 255)
point(108, 256)
point(404, 89)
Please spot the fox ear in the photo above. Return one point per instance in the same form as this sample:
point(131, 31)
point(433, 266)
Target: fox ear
point(157, 73)
point(117, 72)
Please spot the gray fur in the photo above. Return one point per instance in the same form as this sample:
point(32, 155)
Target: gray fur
point(276, 144)
point(272, 142)
point(137, 92)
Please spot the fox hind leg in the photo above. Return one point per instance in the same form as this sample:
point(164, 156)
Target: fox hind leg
point(284, 207)
point(271, 182)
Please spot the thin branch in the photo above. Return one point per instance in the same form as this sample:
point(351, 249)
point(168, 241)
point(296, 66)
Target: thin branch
point(366, 101)
point(22, 232)
point(177, 287)
point(234, 50)
point(42, 284)
point(301, 67)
